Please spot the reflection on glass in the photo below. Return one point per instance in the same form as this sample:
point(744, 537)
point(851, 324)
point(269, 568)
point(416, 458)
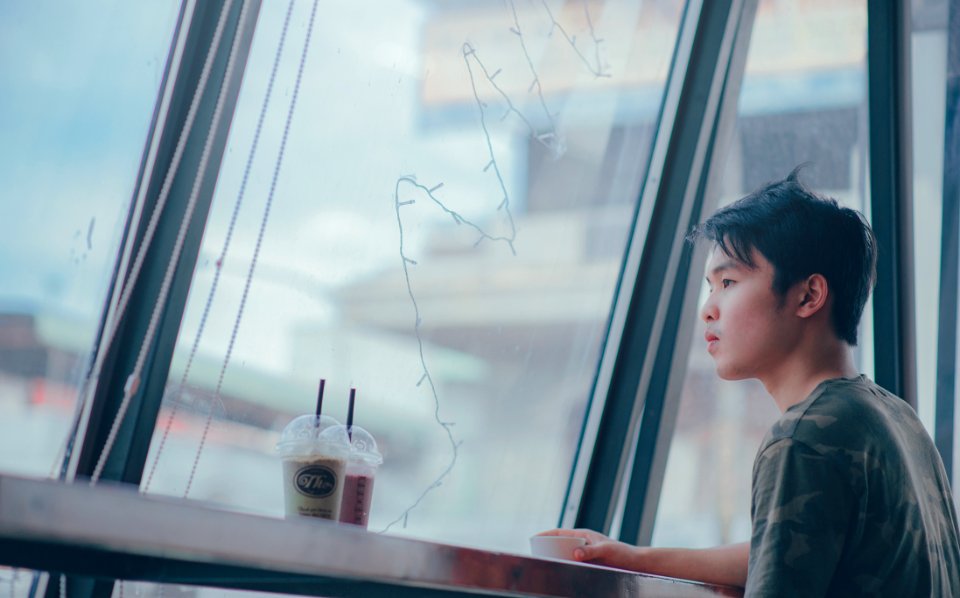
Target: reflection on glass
point(928, 78)
point(15, 582)
point(803, 100)
point(929, 100)
point(79, 83)
point(445, 235)
point(141, 589)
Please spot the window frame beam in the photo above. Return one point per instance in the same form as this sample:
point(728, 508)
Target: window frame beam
point(640, 337)
point(891, 196)
point(663, 394)
point(193, 34)
point(946, 393)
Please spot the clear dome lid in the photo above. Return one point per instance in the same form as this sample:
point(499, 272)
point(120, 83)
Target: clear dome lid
point(363, 447)
point(309, 434)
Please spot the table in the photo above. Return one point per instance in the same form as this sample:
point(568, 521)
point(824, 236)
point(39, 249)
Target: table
point(114, 532)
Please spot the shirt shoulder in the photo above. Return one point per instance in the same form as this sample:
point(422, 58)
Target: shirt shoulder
point(847, 414)
point(801, 508)
point(853, 448)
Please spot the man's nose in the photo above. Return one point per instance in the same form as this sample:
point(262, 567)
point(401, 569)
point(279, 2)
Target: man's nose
point(708, 313)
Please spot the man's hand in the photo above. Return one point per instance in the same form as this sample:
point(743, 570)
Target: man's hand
point(724, 565)
point(600, 549)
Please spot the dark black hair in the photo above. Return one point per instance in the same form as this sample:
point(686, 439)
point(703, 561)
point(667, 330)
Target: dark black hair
point(801, 233)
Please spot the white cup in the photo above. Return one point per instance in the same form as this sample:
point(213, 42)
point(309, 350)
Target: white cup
point(555, 547)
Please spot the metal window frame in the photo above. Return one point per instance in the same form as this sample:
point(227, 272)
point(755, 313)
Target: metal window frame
point(193, 35)
point(603, 409)
point(891, 196)
point(126, 459)
point(701, 189)
point(946, 400)
point(653, 290)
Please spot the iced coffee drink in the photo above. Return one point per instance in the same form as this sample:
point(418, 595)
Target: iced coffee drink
point(315, 455)
point(361, 473)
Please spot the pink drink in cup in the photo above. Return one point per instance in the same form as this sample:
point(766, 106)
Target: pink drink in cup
point(361, 472)
point(357, 496)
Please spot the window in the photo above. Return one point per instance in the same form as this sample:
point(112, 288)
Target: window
point(800, 101)
point(433, 208)
point(928, 69)
point(445, 235)
point(934, 184)
point(79, 85)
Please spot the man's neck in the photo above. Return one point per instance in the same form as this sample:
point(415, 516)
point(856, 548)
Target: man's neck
point(799, 376)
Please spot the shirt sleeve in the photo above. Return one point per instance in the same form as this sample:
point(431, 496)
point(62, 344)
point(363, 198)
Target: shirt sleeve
point(801, 509)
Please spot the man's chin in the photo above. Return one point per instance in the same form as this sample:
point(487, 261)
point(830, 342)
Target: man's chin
point(730, 374)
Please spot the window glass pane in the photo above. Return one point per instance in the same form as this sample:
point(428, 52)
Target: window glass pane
point(15, 582)
point(803, 100)
point(445, 235)
point(142, 589)
point(79, 83)
point(928, 77)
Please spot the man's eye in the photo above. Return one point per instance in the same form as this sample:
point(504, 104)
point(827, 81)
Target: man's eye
point(726, 282)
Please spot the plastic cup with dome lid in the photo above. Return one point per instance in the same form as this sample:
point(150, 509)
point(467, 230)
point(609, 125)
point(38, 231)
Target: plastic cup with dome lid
point(314, 449)
point(362, 467)
point(361, 471)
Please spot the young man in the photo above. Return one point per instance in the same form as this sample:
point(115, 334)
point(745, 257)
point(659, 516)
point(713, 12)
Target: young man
point(850, 497)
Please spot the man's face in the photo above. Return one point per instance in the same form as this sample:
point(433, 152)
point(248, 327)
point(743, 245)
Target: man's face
point(749, 331)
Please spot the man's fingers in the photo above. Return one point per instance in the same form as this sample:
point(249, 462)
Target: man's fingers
point(592, 552)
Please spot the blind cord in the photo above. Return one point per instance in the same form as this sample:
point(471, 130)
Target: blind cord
point(133, 380)
point(113, 324)
point(256, 250)
point(224, 251)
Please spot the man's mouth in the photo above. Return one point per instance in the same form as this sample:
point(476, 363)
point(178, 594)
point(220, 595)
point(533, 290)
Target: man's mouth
point(712, 340)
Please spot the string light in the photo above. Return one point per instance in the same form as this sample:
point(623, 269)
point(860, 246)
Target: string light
point(550, 139)
point(598, 69)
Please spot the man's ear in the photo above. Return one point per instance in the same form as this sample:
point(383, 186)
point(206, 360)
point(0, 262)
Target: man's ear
point(812, 294)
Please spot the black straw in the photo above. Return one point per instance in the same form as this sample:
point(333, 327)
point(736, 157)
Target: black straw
point(323, 383)
point(353, 398)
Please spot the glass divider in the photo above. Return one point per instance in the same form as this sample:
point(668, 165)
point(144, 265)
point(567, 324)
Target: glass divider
point(888, 68)
point(947, 338)
point(726, 43)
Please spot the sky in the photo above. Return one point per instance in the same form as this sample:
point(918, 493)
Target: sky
point(79, 84)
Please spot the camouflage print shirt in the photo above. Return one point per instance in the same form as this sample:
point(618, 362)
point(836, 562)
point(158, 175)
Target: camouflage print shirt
point(850, 498)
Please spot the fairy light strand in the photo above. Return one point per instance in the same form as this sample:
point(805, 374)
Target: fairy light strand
point(598, 70)
point(426, 376)
point(550, 139)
